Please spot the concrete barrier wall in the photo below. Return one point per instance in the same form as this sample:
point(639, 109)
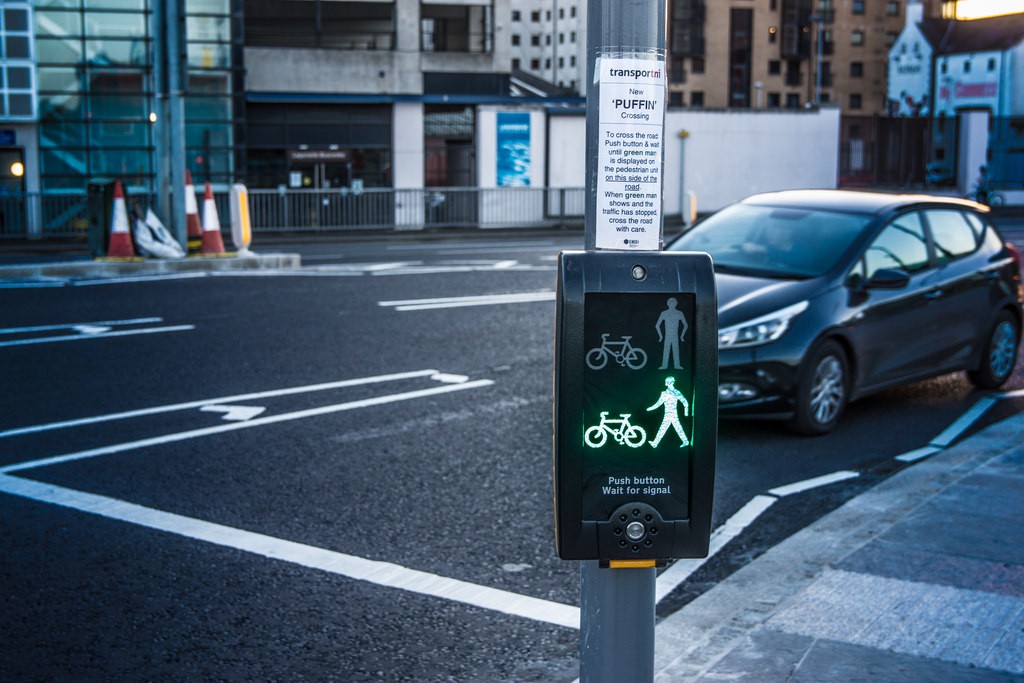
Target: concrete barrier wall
point(725, 156)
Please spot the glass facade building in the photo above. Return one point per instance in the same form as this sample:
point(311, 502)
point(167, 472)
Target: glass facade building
point(98, 94)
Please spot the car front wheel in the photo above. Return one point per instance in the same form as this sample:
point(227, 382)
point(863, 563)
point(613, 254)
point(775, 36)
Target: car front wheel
point(823, 391)
point(999, 354)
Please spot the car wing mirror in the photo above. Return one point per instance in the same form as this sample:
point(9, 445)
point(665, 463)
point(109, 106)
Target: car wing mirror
point(889, 278)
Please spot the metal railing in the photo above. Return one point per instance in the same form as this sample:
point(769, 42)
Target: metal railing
point(332, 210)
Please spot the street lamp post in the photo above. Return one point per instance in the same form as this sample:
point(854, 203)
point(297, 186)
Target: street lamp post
point(817, 19)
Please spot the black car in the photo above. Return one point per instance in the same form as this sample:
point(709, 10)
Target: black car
point(825, 296)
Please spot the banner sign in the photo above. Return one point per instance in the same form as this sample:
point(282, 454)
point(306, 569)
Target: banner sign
point(513, 149)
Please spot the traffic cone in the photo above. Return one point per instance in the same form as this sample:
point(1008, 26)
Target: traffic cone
point(120, 245)
point(195, 230)
point(213, 243)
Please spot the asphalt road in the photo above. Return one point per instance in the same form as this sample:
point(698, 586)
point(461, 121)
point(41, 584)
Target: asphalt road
point(298, 425)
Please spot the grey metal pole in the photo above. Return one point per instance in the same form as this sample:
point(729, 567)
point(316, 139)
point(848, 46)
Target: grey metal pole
point(616, 624)
point(617, 604)
point(176, 60)
point(615, 28)
point(160, 125)
point(819, 20)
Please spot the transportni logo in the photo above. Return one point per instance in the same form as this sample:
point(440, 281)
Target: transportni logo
point(634, 73)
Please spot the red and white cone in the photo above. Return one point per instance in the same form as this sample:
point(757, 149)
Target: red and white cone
point(120, 244)
point(195, 230)
point(213, 243)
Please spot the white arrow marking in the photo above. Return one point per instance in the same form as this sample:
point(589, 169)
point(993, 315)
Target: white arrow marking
point(91, 329)
point(235, 413)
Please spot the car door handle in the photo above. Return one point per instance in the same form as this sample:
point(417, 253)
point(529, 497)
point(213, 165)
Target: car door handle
point(933, 294)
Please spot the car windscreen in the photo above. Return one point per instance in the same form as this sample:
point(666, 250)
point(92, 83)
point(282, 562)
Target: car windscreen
point(773, 241)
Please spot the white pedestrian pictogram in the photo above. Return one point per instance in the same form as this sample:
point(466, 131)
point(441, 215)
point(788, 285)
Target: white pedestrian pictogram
point(670, 399)
point(671, 319)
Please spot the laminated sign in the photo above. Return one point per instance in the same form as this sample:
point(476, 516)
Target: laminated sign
point(630, 130)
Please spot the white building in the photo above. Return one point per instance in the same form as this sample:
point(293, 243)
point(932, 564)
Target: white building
point(548, 39)
point(910, 67)
point(940, 67)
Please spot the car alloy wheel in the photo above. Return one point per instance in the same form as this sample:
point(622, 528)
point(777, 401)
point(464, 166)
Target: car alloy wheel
point(827, 390)
point(1004, 347)
point(1000, 354)
point(822, 393)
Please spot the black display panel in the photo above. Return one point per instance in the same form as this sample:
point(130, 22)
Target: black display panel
point(638, 404)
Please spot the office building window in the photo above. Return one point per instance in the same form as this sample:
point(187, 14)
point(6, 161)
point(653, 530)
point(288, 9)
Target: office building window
point(697, 98)
point(857, 37)
point(774, 100)
point(774, 67)
point(892, 8)
point(341, 25)
point(17, 65)
point(855, 101)
point(793, 100)
point(515, 39)
point(858, 6)
point(856, 69)
point(97, 106)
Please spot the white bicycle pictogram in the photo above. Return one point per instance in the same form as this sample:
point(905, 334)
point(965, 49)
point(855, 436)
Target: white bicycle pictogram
point(621, 430)
point(622, 351)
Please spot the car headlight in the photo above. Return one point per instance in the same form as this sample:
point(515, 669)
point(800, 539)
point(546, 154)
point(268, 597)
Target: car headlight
point(761, 330)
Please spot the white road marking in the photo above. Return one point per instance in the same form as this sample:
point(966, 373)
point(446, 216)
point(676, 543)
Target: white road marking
point(189, 405)
point(681, 570)
point(808, 484)
point(105, 335)
point(372, 571)
point(31, 284)
point(259, 422)
point(954, 430)
point(460, 301)
point(72, 326)
point(91, 329)
point(235, 413)
point(917, 454)
point(136, 278)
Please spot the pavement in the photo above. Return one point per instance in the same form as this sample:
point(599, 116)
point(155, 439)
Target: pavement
point(920, 578)
point(40, 260)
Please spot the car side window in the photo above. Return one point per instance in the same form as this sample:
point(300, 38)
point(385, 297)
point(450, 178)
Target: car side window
point(900, 245)
point(952, 234)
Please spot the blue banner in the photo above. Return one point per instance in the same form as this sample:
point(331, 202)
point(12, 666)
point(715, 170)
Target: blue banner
point(513, 149)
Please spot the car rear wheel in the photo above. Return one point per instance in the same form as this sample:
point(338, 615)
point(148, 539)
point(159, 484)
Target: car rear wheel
point(824, 389)
point(1000, 354)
